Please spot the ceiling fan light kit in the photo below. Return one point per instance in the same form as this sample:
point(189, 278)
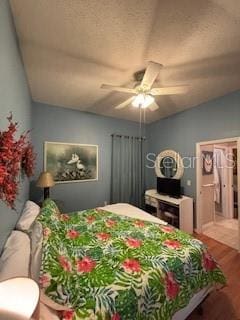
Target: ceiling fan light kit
point(143, 93)
point(142, 100)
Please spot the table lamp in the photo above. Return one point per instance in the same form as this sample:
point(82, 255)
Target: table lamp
point(45, 181)
point(19, 298)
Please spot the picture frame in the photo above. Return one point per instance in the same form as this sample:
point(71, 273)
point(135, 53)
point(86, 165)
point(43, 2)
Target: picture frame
point(207, 163)
point(71, 162)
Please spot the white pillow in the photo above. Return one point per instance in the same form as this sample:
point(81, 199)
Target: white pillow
point(29, 214)
point(15, 259)
point(36, 237)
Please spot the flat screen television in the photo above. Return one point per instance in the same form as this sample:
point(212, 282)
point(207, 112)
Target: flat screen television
point(170, 187)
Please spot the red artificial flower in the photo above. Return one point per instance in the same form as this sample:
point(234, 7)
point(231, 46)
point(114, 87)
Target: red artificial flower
point(131, 265)
point(171, 286)
point(68, 314)
point(115, 316)
point(133, 243)
point(172, 244)
point(15, 155)
point(45, 280)
point(90, 219)
point(28, 160)
point(208, 262)
point(72, 234)
point(139, 223)
point(167, 229)
point(85, 265)
point(110, 223)
point(65, 263)
point(10, 191)
point(3, 173)
point(103, 236)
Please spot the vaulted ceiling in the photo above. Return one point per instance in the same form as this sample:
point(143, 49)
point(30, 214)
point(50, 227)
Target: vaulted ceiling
point(71, 47)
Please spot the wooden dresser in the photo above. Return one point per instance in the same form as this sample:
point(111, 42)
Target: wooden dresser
point(180, 209)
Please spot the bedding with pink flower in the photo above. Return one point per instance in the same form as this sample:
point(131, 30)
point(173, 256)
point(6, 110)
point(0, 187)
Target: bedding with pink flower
point(110, 267)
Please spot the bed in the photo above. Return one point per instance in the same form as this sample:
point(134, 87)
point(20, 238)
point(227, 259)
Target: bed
point(133, 212)
point(114, 262)
point(119, 262)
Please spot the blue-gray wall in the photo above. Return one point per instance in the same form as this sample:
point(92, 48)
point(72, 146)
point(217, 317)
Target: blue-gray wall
point(66, 125)
point(216, 119)
point(14, 96)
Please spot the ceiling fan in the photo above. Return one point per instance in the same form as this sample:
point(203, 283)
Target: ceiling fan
point(143, 93)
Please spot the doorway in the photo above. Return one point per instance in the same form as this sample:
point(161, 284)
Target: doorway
point(217, 190)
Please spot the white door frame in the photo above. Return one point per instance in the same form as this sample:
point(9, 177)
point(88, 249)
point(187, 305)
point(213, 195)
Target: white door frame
point(198, 179)
point(232, 184)
point(227, 200)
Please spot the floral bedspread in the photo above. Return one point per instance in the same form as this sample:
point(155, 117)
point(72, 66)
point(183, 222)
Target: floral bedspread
point(110, 267)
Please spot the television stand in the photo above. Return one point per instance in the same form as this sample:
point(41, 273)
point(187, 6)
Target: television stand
point(178, 209)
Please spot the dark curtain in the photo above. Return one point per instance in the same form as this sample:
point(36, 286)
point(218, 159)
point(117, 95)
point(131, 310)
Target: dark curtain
point(128, 170)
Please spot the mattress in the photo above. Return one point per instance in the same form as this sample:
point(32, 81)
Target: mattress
point(125, 209)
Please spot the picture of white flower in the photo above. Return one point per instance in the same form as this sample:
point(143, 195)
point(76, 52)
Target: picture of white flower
point(69, 162)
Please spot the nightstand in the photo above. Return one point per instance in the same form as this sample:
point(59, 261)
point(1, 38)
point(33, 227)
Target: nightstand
point(19, 298)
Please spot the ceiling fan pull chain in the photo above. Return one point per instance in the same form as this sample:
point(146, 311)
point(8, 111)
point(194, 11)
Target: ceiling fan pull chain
point(140, 121)
point(144, 123)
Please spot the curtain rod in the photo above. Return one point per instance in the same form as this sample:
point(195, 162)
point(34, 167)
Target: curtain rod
point(127, 137)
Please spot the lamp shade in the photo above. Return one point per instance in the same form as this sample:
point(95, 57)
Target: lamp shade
point(45, 180)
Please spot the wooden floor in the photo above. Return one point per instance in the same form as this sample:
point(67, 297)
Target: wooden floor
point(223, 304)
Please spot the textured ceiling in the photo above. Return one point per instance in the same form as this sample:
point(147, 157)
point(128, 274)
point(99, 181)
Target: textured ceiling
point(71, 47)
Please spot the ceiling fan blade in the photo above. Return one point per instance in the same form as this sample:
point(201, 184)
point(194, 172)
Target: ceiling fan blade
point(124, 104)
point(153, 106)
point(117, 88)
point(150, 75)
point(169, 90)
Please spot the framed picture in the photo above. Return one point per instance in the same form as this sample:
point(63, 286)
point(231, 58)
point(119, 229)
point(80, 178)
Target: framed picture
point(71, 162)
point(207, 168)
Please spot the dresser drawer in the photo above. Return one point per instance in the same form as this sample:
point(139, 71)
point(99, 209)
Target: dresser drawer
point(151, 201)
point(154, 202)
point(163, 206)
